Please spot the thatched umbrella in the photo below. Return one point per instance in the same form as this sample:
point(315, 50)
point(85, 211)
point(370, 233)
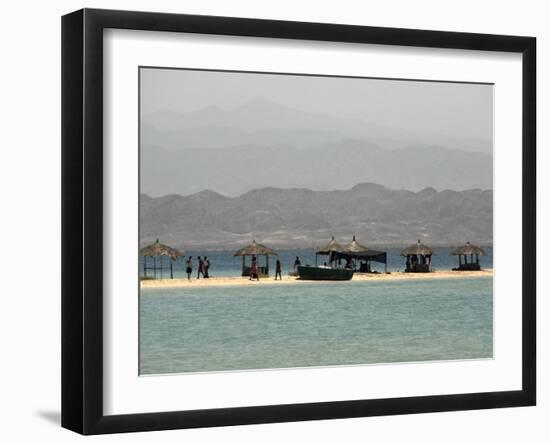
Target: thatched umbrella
point(468, 250)
point(354, 249)
point(155, 250)
point(329, 249)
point(415, 251)
point(332, 246)
point(255, 249)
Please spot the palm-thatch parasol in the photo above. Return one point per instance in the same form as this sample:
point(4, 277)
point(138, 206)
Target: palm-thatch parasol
point(417, 249)
point(329, 249)
point(354, 249)
point(255, 249)
point(468, 250)
point(332, 246)
point(418, 257)
point(155, 250)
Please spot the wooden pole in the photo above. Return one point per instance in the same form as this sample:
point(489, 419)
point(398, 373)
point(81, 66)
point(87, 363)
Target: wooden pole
point(266, 264)
point(145, 266)
point(171, 270)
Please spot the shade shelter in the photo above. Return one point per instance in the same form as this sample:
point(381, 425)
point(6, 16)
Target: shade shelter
point(354, 251)
point(254, 250)
point(418, 257)
point(463, 252)
point(329, 249)
point(157, 251)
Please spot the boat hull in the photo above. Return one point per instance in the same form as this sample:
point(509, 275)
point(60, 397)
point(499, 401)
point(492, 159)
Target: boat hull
point(316, 273)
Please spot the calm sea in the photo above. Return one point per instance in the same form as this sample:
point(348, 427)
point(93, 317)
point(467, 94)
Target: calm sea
point(317, 324)
point(222, 263)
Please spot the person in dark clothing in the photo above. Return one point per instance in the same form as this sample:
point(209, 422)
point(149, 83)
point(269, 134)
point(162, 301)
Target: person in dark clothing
point(414, 262)
point(297, 263)
point(348, 263)
point(189, 267)
point(206, 266)
point(254, 274)
point(278, 270)
point(200, 269)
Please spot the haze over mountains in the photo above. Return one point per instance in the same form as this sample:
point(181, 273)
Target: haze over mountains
point(267, 123)
point(305, 218)
point(266, 144)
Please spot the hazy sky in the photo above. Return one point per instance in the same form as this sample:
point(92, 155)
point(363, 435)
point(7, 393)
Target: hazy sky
point(453, 109)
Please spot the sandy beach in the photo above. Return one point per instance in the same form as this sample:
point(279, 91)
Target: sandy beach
point(244, 281)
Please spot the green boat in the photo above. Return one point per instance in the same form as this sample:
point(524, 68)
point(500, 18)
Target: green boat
point(323, 273)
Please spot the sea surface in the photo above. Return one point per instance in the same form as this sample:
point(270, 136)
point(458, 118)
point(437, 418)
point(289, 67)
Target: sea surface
point(317, 324)
point(223, 263)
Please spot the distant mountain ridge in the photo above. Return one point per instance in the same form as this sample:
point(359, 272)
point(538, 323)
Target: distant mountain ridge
point(262, 143)
point(300, 217)
point(332, 165)
point(263, 122)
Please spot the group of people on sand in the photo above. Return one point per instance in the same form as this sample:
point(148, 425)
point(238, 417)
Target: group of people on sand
point(255, 270)
point(414, 261)
point(203, 267)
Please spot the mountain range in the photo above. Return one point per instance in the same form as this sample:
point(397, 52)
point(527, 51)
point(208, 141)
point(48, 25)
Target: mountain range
point(266, 123)
point(265, 144)
point(337, 165)
point(300, 217)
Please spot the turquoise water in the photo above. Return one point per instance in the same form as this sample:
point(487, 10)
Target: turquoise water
point(283, 326)
point(224, 264)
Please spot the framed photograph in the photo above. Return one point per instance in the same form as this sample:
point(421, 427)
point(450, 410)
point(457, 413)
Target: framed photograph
point(269, 221)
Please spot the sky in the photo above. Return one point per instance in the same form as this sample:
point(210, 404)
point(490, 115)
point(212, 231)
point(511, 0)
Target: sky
point(453, 109)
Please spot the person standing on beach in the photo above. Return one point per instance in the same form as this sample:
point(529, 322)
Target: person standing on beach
point(200, 269)
point(254, 269)
point(297, 263)
point(189, 267)
point(206, 266)
point(278, 269)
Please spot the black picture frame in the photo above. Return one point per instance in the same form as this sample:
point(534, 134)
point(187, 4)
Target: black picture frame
point(82, 220)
